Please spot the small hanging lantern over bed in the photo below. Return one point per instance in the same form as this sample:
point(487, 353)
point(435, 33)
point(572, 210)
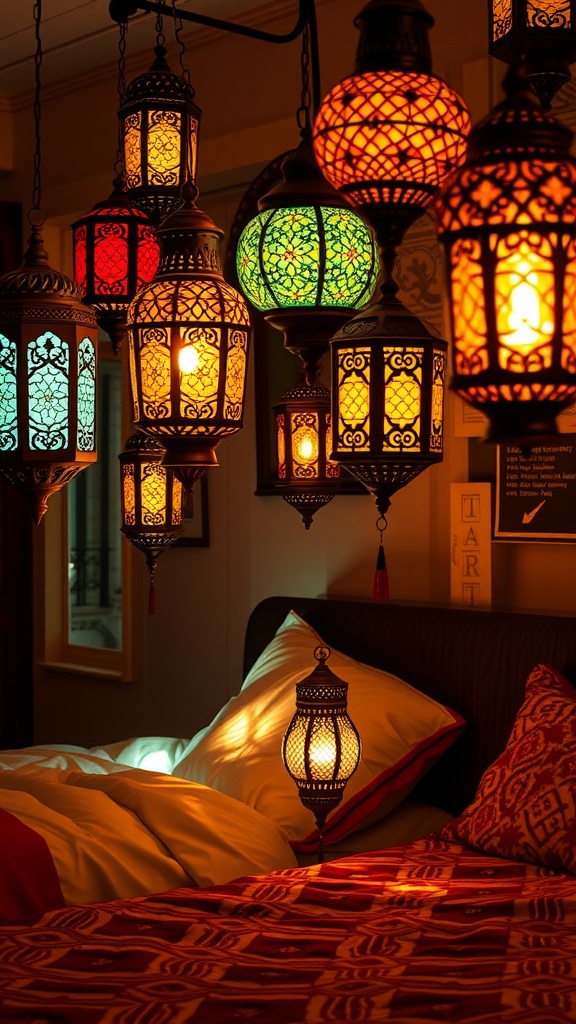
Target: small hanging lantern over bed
point(321, 747)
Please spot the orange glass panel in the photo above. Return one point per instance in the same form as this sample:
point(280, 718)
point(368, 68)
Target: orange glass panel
point(132, 132)
point(304, 434)
point(176, 501)
point(569, 306)
point(548, 14)
point(402, 398)
point(153, 494)
point(235, 374)
point(155, 372)
point(281, 446)
point(129, 495)
point(163, 147)
point(353, 399)
point(524, 302)
point(502, 17)
point(468, 307)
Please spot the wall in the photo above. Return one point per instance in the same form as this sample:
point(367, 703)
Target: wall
point(190, 652)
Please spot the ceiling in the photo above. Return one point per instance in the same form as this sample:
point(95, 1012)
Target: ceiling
point(78, 35)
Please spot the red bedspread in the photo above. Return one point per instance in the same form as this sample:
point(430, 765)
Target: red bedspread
point(29, 884)
point(415, 935)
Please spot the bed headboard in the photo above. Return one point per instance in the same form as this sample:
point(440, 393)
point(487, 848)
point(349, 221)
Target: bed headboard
point(474, 661)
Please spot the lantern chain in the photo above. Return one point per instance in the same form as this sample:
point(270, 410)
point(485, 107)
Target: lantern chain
point(36, 188)
point(178, 27)
point(303, 112)
point(160, 37)
point(119, 166)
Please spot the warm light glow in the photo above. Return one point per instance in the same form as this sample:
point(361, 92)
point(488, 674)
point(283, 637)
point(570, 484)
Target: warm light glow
point(306, 447)
point(322, 753)
point(524, 284)
point(390, 137)
point(188, 359)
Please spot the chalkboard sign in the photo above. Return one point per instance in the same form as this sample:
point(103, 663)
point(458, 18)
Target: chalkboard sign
point(536, 491)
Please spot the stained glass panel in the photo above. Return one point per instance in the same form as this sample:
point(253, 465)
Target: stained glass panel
point(524, 282)
point(199, 384)
point(86, 439)
point(352, 261)
point(129, 494)
point(8, 391)
point(153, 494)
point(132, 131)
point(304, 431)
point(353, 400)
point(155, 372)
point(402, 399)
point(236, 373)
point(48, 368)
point(548, 14)
point(163, 147)
point(501, 18)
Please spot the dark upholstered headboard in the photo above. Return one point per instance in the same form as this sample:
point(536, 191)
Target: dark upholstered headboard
point(474, 661)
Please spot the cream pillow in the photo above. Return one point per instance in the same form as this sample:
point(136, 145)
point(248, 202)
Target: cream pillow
point(403, 732)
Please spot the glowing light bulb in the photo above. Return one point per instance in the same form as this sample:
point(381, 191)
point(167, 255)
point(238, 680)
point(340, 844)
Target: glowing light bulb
point(322, 755)
point(306, 446)
point(188, 359)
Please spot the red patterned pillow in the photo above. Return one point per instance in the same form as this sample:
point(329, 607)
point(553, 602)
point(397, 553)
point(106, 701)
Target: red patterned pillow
point(525, 806)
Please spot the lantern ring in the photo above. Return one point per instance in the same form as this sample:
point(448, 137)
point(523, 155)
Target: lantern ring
point(321, 653)
point(381, 524)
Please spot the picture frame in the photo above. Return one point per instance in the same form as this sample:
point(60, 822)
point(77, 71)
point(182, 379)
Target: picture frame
point(195, 520)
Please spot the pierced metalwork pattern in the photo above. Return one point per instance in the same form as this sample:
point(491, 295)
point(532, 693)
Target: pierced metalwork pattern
point(333, 471)
point(154, 344)
point(392, 475)
point(153, 494)
point(390, 136)
point(199, 389)
point(353, 375)
point(132, 162)
point(48, 369)
point(8, 395)
point(501, 18)
point(548, 14)
point(86, 436)
point(321, 746)
point(522, 193)
point(304, 430)
point(281, 447)
point(163, 147)
point(129, 494)
point(236, 374)
point(402, 399)
point(307, 256)
point(438, 379)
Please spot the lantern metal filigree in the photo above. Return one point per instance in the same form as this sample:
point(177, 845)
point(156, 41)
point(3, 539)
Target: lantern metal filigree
point(188, 346)
point(307, 478)
point(543, 32)
point(159, 123)
point(116, 252)
point(507, 223)
point(321, 748)
point(151, 501)
point(48, 373)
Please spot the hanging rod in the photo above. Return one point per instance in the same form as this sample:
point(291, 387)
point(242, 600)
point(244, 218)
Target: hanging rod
point(121, 10)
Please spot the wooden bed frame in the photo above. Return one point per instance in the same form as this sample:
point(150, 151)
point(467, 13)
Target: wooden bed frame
point(476, 662)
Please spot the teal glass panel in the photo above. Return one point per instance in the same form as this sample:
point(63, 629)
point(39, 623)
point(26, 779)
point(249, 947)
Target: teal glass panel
point(86, 396)
point(48, 366)
point(248, 265)
point(8, 406)
point(352, 261)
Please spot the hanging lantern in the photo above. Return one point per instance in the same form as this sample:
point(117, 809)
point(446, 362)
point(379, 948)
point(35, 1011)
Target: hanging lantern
point(116, 252)
point(188, 342)
point(388, 375)
point(389, 134)
point(307, 478)
point(151, 500)
point(306, 260)
point(321, 748)
point(541, 31)
point(507, 223)
point(48, 359)
point(159, 124)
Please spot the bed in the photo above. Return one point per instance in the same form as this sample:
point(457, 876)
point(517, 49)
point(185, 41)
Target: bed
point(472, 921)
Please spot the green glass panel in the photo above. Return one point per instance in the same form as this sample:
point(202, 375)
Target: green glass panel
point(8, 406)
point(291, 256)
point(352, 263)
point(86, 396)
point(248, 263)
point(48, 366)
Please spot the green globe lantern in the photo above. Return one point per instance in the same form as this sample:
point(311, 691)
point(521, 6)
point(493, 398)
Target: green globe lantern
point(306, 261)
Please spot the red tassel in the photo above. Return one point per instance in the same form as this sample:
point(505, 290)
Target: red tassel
point(380, 590)
point(152, 598)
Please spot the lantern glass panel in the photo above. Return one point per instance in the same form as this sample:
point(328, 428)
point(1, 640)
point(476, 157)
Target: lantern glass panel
point(153, 494)
point(199, 377)
point(132, 165)
point(281, 446)
point(353, 376)
point(437, 423)
point(554, 14)
point(524, 300)
point(236, 372)
point(304, 430)
point(164, 147)
point(402, 399)
point(48, 362)
point(8, 392)
point(86, 439)
point(502, 18)
point(129, 495)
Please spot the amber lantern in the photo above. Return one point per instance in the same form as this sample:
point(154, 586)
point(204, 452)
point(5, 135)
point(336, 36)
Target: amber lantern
point(386, 137)
point(188, 343)
point(543, 32)
point(321, 748)
point(307, 478)
point(151, 501)
point(116, 252)
point(507, 224)
point(159, 123)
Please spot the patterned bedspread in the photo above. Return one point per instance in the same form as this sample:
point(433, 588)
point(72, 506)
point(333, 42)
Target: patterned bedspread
point(418, 934)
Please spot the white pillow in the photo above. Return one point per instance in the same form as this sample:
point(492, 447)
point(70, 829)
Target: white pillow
point(403, 732)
